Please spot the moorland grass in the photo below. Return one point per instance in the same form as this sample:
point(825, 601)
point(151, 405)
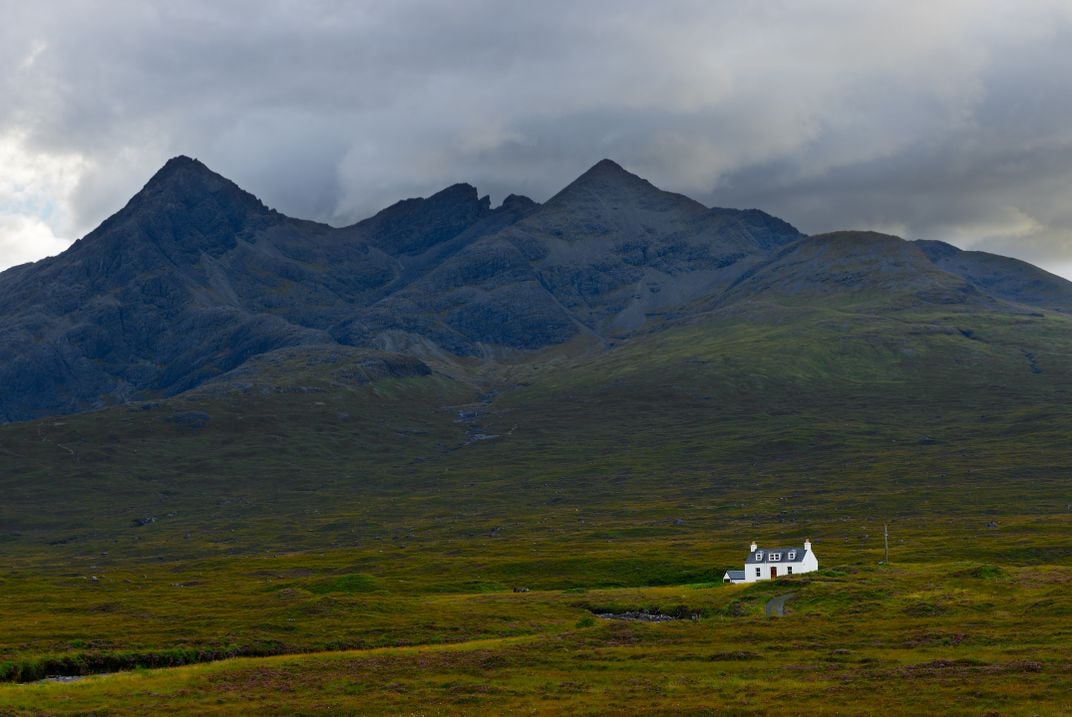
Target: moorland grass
point(366, 517)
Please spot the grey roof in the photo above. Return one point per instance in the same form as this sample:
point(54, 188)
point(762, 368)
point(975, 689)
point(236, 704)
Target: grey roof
point(765, 552)
point(735, 574)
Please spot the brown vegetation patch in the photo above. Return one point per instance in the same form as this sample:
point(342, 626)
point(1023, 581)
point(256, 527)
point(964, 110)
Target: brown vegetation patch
point(260, 680)
point(930, 639)
point(942, 667)
point(734, 656)
point(924, 609)
point(1037, 578)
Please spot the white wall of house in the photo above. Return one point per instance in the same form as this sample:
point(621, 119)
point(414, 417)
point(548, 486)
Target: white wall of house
point(762, 571)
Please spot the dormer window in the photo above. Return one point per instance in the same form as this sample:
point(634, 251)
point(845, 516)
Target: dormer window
point(792, 555)
point(759, 555)
point(775, 557)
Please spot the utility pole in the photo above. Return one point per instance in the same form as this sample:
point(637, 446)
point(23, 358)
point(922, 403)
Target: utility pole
point(886, 540)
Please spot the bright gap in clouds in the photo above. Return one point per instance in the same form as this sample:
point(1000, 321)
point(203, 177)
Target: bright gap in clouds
point(26, 238)
point(36, 219)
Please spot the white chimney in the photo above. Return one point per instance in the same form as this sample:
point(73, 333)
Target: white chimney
point(807, 545)
point(754, 546)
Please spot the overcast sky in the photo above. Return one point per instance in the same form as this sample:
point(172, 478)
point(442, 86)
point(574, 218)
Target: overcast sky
point(945, 120)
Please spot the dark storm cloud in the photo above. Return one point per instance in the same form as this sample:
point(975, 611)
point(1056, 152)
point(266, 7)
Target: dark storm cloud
point(947, 120)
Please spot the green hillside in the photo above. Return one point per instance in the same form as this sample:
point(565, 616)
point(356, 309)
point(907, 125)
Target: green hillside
point(312, 503)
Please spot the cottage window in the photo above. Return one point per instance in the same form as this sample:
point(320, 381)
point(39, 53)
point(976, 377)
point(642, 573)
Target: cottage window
point(759, 555)
point(792, 555)
point(757, 572)
point(790, 568)
point(775, 557)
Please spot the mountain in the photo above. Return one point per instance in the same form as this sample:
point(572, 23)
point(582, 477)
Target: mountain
point(190, 279)
point(595, 260)
point(194, 277)
point(458, 423)
point(1002, 277)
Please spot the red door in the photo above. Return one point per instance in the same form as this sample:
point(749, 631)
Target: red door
point(773, 572)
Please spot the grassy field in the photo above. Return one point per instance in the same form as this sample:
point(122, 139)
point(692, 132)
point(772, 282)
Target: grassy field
point(354, 546)
point(952, 638)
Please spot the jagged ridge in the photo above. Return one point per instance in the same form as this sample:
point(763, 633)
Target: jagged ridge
point(194, 276)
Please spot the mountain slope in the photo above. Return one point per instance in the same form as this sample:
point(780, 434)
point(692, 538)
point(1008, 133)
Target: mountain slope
point(1002, 277)
point(194, 276)
point(188, 280)
point(855, 266)
point(597, 259)
point(128, 307)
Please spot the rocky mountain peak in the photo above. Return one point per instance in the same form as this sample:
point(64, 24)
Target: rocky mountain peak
point(412, 226)
point(188, 207)
point(177, 164)
point(608, 167)
point(608, 183)
point(184, 183)
point(184, 178)
point(606, 174)
point(517, 201)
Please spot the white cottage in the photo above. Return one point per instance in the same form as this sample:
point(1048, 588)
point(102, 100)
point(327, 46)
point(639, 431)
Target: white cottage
point(768, 564)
